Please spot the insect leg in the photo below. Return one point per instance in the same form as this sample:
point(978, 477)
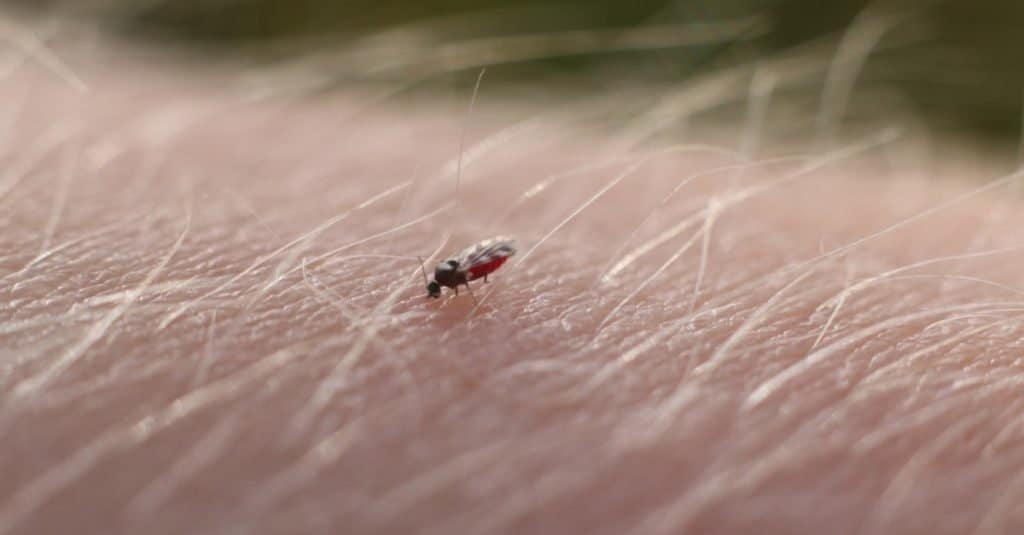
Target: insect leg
point(472, 294)
point(485, 278)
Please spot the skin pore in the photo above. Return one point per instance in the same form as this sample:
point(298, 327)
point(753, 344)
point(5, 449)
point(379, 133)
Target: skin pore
point(212, 320)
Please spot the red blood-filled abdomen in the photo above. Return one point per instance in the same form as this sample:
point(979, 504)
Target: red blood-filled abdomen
point(476, 272)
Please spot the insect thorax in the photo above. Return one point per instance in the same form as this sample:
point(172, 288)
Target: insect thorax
point(448, 274)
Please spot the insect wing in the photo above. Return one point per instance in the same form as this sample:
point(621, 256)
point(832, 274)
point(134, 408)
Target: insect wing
point(485, 257)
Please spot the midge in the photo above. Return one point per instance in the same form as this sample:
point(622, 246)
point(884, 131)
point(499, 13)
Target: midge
point(475, 261)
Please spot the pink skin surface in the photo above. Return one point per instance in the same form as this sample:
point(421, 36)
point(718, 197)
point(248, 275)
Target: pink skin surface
point(212, 321)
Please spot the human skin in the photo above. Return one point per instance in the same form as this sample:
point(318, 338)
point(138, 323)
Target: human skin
point(213, 321)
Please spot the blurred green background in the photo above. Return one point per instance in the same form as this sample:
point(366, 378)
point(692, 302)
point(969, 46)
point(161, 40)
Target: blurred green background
point(955, 63)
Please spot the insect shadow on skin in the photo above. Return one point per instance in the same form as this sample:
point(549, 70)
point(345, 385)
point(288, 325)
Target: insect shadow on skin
point(476, 261)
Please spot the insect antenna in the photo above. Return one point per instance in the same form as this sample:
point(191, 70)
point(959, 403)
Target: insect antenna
point(423, 270)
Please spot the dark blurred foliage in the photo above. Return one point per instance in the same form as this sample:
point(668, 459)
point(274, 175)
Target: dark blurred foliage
point(956, 62)
point(234, 21)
